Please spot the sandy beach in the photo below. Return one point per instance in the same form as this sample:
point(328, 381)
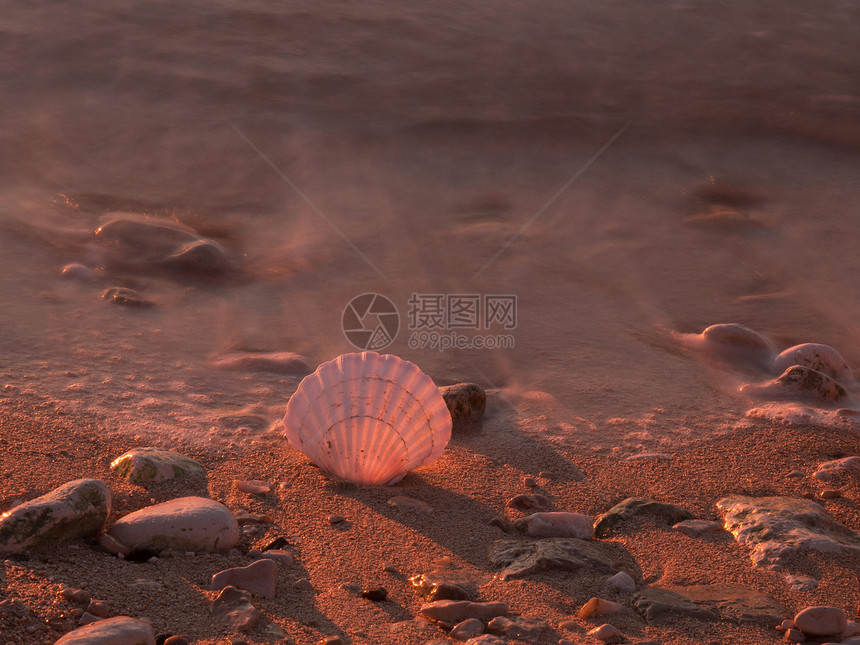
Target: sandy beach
point(194, 197)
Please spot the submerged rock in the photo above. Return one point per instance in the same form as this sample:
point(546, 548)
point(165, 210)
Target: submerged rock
point(799, 382)
point(126, 298)
point(143, 465)
point(635, 506)
point(185, 524)
point(466, 402)
point(76, 509)
point(776, 527)
point(120, 630)
point(735, 343)
point(821, 358)
point(518, 559)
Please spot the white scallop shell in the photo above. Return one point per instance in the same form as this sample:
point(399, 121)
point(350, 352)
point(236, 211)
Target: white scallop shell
point(368, 418)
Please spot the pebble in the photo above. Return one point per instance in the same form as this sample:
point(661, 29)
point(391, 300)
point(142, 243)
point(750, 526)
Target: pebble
point(99, 608)
point(376, 594)
point(332, 640)
point(529, 482)
point(87, 618)
point(597, 606)
point(799, 382)
point(185, 523)
point(14, 607)
point(520, 558)
point(697, 528)
point(401, 502)
point(147, 464)
point(821, 621)
point(303, 584)
point(112, 545)
point(452, 612)
point(794, 635)
point(486, 639)
point(557, 524)
point(546, 474)
point(76, 509)
point(623, 582)
point(519, 628)
point(336, 519)
point(176, 640)
point(259, 577)
point(800, 582)
point(252, 486)
point(466, 402)
point(467, 629)
point(821, 358)
point(243, 518)
point(502, 523)
point(607, 633)
point(276, 362)
point(284, 557)
point(126, 298)
point(234, 607)
point(528, 502)
point(111, 631)
point(830, 493)
point(80, 596)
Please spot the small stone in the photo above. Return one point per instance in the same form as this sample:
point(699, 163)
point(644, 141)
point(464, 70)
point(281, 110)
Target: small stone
point(598, 606)
point(303, 584)
point(501, 523)
point(518, 628)
point(401, 502)
point(466, 402)
point(529, 502)
point(799, 582)
point(623, 582)
point(821, 358)
point(112, 545)
point(144, 465)
point(252, 486)
point(332, 640)
point(607, 633)
point(520, 558)
point(126, 298)
point(635, 506)
point(76, 509)
point(830, 493)
point(185, 523)
point(794, 635)
point(14, 607)
point(234, 607)
point(785, 625)
point(697, 528)
point(452, 612)
point(851, 629)
point(529, 482)
point(253, 518)
point(546, 474)
point(376, 594)
point(284, 557)
point(794, 474)
point(99, 608)
point(87, 618)
point(336, 519)
point(111, 631)
point(557, 524)
point(467, 629)
point(259, 577)
point(176, 640)
point(79, 596)
point(486, 639)
point(388, 567)
point(142, 553)
point(278, 543)
point(821, 621)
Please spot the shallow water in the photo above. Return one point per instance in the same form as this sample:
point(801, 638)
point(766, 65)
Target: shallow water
point(337, 149)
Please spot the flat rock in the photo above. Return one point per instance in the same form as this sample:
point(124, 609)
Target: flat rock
point(799, 383)
point(776, 527)
point(466, 402)
point(277, 362)
point(452, 612)
point(518, 559)
point(698, 528)
point(120, 630)
point(557, 524)
point(518, 628)
point(76, 509)
point(529, 502)
point(830, 470)
point(821, 621)
point(233, 606)
point(185, 524)
point(822, 358)
point(636, 506)
point(144, 465)
point(709, 602)
point(259, 577)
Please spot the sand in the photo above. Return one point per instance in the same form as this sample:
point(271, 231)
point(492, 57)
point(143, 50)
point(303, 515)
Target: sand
point(630, 173)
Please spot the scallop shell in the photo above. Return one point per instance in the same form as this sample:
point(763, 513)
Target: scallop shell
point(368, 418)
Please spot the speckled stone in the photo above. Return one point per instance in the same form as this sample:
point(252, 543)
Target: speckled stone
point(821, 358)
point(143, 465)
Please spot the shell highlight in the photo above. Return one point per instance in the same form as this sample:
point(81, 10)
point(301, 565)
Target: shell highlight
point(368, 418)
